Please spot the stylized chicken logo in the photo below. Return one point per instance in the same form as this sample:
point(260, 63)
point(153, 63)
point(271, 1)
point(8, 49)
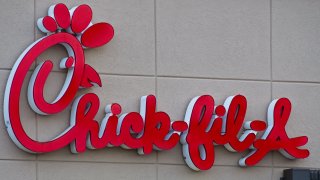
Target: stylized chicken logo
point(73, 30)
point(69, 25)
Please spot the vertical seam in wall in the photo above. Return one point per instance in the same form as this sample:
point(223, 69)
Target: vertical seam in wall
point(271, 79)
point(155, 67)
point(271, 76)
point(34, 20)
point(36, 119)
point(34, 27)
point(155, 49)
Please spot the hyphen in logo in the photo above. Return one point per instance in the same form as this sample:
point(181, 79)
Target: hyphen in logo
point(204, 126)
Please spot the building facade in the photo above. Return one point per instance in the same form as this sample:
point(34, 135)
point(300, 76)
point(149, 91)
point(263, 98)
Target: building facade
point(175, 50)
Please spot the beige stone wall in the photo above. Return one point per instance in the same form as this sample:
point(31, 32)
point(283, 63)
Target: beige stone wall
point(175, 49)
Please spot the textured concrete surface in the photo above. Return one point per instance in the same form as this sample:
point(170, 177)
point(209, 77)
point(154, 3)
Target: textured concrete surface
point(295, 42)
point(176, 50)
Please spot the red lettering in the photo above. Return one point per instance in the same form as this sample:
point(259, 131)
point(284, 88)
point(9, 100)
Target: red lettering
point(205, 125)
point(275, 137)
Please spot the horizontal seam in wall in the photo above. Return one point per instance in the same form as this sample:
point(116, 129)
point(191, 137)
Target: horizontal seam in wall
point(153, 163)
point(196, 78)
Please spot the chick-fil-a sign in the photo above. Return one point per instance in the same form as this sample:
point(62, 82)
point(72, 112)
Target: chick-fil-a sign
point(205, 124)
